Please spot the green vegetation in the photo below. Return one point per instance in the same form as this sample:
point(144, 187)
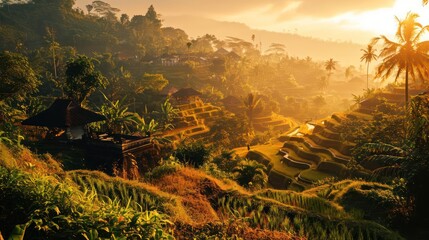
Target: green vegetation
point(42, 207)
point(103, 206)
point(251, 174)
point(275, 215)
point(82, 78)
point(194, 153)
point(360, 174)
point(17, 78)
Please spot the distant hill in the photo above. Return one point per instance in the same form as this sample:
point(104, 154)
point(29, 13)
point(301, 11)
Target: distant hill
point(345, 53)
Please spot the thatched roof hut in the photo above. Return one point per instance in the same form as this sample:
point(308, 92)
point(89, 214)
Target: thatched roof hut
point(186, 93)
point(64, 113)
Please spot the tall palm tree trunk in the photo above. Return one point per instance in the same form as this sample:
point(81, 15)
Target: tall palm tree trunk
point(406, 87)
point(367, 75)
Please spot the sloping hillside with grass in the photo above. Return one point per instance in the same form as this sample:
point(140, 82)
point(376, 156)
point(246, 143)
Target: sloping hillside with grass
point(323, 149)
point(42, 201)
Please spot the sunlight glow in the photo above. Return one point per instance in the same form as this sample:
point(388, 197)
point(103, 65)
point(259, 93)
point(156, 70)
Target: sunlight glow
point(382, 21)
point(348, 26)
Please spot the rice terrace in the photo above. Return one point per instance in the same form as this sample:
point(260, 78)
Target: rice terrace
point(214, 119)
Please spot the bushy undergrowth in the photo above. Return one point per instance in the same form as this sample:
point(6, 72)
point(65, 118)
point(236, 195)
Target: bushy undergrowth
point(233, 229)
point(193, 153)
point(42, 207)
point(267, 214)
point(45, 204)
point(308, 202)
point(165, 167)
point(367, 200)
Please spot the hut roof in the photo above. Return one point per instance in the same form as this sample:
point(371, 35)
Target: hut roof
point(186, 92)
point(169, 90)
point(222, 52)
point(63, 113)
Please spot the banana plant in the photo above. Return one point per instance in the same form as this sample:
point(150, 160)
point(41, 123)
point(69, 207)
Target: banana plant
point(118, 118)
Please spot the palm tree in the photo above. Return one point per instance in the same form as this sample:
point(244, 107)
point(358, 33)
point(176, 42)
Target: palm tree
point(250, 173)
point(251, 102)
point(368, 56)
point(408, 55)
point(329, 66)
point(383, 160)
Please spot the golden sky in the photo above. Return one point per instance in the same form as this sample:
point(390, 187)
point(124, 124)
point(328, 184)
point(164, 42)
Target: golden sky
point(341, 20)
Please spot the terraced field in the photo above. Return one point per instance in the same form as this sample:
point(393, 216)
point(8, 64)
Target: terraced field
point(313, 152)
point(317, 150)
point(275, 122)
point(194, 120)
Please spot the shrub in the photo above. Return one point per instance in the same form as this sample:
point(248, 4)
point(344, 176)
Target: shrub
point(165, 168)
point(195, 154)
point(43, 208)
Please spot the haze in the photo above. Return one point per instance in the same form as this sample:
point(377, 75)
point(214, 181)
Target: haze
point(354, 21)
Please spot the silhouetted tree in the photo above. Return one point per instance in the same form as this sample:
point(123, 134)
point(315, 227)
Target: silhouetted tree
point(251, 102)
point(17, 78)
point(250, 174)
point(408, 55)
point(368, 56)
point(82, 78)
point(329, 66)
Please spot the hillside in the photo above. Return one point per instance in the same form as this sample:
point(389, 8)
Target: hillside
point(325, 148)
point(298, 46)
point(196, 205)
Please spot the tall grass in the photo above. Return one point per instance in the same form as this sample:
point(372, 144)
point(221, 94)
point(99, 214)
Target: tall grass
point(45, 207)
point(135, 195)
point(308, 202)
point(269, 214)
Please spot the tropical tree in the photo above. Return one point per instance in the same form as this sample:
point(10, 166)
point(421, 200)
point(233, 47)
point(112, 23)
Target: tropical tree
point(367, 56)
point(229, 132)
point(118, 118)
point(17, 78)
point(250, 174)
point(409, 161)
point(227, 160)
point(417, 167)
point(251, 102)
point(276, 48)
point(408, 55)
point(53, 48)
point(89, 8)
point(383, 159)
point(194, 154)
point(146, 128)
point(238, 45)
point(329, 66)
point(155, 82)
point(82, 78)
point(104, 9)
point(167, 114)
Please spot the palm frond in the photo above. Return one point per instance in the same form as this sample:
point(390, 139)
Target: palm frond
point(383, 149)
point(381, 160)
point(389, 172)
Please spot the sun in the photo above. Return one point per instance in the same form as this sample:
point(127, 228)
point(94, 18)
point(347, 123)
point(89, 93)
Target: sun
point(383, 22)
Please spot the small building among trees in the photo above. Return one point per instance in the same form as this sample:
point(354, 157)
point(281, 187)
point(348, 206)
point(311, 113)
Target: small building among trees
point(116, 154)
point(187, 95)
